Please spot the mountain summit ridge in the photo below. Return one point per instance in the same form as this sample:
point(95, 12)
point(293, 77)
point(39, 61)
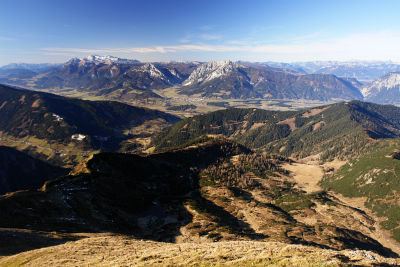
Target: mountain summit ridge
point(104, 75)
point(384, 90)
point(209, 71)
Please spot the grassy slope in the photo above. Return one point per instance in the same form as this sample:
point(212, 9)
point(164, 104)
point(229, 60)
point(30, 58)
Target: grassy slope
point(351, 130)
point(114, 250)
point(376, 177)
point(339, 130)
point(32, 113)
point(43, 124)
point(211, 190)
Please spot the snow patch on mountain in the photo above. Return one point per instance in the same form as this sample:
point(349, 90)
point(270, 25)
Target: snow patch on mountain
point(174, 73)
point(392, 80)
point(209, 71)
point(152, 71)
point(106, 59)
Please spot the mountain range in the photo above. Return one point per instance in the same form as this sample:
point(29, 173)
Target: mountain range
point(384, 90)
point(110, 76)
point(107, 74)
point(364, 71)
point(233, 80)
point(128, 80)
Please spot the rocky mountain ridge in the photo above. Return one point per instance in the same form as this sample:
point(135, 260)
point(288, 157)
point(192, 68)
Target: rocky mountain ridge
point(384, 90)
point(103, 76)
point(364, 71)
point(232, 80)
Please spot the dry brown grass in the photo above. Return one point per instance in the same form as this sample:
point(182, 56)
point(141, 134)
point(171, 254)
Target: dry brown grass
point(313, 112)
point(307, 173)
point(290, 122)
point(36, 103)
point(115, 250)
point(306, 176)
point(378, 233)
point(318, 125)
point(335, 164)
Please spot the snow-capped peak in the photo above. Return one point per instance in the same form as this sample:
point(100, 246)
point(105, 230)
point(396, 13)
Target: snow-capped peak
point(106, 59)
point(388, 81)
point(210, 70)
point(153, 71)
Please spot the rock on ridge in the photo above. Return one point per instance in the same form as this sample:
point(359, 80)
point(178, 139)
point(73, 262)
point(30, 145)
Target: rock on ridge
point(209, 71)
point(388, 81)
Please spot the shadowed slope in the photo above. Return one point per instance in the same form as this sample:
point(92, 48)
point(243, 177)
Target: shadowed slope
point(19, 171)
point(207, 190)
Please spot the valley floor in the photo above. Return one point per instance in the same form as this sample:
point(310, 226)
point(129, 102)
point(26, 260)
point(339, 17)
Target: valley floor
point(202, 105)
point(117, 250)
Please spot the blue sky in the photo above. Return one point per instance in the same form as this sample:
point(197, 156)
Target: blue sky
point(280, 30)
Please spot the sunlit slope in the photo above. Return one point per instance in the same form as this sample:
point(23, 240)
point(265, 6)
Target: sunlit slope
point(337, 130)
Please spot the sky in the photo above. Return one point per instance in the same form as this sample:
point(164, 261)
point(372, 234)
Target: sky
point(38, 31)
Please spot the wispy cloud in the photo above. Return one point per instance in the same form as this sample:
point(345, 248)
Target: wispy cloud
point(153, 49)
point(307, 37)
point(380, 45)
point(4, 38)
point(209, 37)
point(191, 37)
point(185, 40)
point(65, 54)
point(206, 27)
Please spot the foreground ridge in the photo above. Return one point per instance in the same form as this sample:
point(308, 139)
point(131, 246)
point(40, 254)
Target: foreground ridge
point(117, 250)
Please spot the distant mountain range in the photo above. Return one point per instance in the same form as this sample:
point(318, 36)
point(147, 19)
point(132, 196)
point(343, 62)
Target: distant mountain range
point(124, 79)
point(113, 76)
point(378, 81)
point(364, 71)
point(233, 80)
point(29, 66)
point(107, 76)
point(384, 90)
